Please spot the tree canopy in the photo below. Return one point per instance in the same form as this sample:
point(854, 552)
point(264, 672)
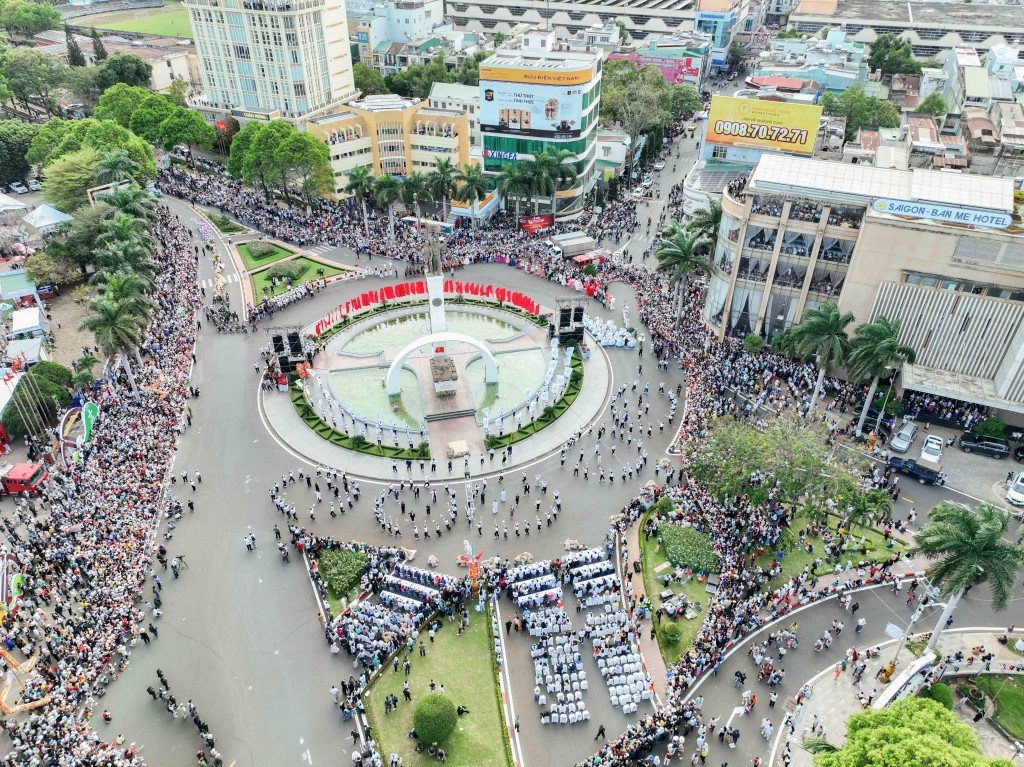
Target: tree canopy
point(68, 178)
point(417, 79)
point(893, 56)
point(185, 126)
point(934, 105)
point(913, 732)
point(15, 140)
point(623, 83)
point(367, 79)
point(125, 68)
point(119, 102)
point(860, 110)
point(23, 18)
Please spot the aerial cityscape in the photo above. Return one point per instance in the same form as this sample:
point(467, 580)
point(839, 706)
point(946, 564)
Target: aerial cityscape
point(577, 383)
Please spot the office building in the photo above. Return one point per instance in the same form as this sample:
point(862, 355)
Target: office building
point(460, 98)
point(391, 134)
point(936, 250)
point(534, 99)
point(932, 28)
point(263, 59)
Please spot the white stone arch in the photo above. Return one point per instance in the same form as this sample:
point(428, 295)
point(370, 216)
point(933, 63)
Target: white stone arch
point(434, 340)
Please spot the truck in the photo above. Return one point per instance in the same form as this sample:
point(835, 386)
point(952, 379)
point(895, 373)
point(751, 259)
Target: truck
point(908, 466)
point(19, 478)
point(571, 244)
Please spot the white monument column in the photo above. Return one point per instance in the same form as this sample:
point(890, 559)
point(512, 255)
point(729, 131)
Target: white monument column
point(435, 297)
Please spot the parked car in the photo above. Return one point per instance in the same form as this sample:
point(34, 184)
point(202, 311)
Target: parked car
point(926, 475)
point(3, 189)
point(1018, 454)
point(1015, 492)
point(19, 187)
point(659, 165)
point(931, 450)
point(33, 185)
point(991, 446)
point(904, 437)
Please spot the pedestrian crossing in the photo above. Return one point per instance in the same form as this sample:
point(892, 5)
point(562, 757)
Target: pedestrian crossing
point(321, 249)
point(209, 282)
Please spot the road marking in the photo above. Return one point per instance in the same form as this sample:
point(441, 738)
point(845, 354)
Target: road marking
point(737, 710)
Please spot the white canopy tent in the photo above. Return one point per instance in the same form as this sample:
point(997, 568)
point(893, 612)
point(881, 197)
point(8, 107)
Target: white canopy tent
point(9, 204)
point(28, 322)
point(46, 219)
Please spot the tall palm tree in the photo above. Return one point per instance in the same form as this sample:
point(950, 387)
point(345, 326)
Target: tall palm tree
point(704, 226)
point(117, 332)
point(441, 181)
point(125, 228)
point(676, 254)
point(876, 351)
point(473, 186)
point(115, 167)
point(867, 507)
point(822, 334)
point(125, 257)
point(83, 378)
point(360, 186)
point(515, 181)
point(555, 173)
point(386, 191)
point(414, 189)
point(968, 547)
point(129, 290)
point(130, 200)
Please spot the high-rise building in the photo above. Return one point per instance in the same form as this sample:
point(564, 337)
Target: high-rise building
point(536, 100)
point(264, 59)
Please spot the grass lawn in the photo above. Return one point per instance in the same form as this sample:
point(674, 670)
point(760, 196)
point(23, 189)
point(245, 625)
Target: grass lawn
point(654, 557)
point(1009, 701)
point(252, 263)
point(341, 570)
point(463, 665)
point(223, 223)
point(260, 279)
point(171, 20)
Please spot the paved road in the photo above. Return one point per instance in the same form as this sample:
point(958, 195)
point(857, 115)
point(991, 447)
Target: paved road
point(239, 634)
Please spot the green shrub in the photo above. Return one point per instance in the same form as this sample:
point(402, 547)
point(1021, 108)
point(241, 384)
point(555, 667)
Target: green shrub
point(990, 427)
point(291, 270)
point(686, 547)
point(341, 569)
point(590, 270)
point(225, 225)
point(54, 372)
point(435, 718)
point(42, 402)
point(941, 693)
point(671, 631)
point(259, 249)
point(753, 343)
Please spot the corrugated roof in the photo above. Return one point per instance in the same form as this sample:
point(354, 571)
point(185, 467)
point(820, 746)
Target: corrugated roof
point(976, 83)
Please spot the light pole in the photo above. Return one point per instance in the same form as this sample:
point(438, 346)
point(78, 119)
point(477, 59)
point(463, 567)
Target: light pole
point(885, 401)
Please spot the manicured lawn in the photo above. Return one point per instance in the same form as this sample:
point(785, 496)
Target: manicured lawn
point(223, 223)
point(260, 279)
point(1009, 701)
point(252, 263)
point(171, 20)
point(654, 557)
point(463, 665)
point(341, 569)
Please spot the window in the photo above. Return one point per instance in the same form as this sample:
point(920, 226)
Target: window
point(300, 89)
point(718, 153)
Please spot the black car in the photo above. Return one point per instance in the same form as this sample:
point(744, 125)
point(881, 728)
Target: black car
point(993, 446)
point(1018, 454)
point(911, 468)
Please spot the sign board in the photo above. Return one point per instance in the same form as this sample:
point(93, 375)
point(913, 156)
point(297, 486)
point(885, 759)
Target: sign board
point(247, 114)
point(90, 412)
point(545, 111)
point(534, 77)
point(498, 154)
point(539, 221)
point(948, 213)
point(771, 125)
point(363, 37)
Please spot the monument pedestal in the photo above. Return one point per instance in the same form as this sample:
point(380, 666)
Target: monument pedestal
point(435, 299)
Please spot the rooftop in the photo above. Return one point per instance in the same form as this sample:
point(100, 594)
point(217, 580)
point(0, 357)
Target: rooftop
point(454, 92)
point(568, 60)
point(820, 179)
point(952, 15)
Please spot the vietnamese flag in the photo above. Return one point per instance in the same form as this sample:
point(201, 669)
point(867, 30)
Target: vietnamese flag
point(389, 292)
point(448, 286)
point(421, 287)
point(438, 350)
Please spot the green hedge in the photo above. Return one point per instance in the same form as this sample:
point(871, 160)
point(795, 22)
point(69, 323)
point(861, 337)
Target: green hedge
point(341, 569)
point(45, 398)
point(224, 224)
point(941, 693)
point(548, 416)
point(670, 630)
point(53, 371)
point(435, 718)
point(687, 547)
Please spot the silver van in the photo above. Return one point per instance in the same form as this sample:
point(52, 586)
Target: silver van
point(904, 438)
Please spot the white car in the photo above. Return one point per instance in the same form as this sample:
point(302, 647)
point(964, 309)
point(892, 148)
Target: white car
point(931, 450)
point(19, 187)
point(638, 192)
point(1015, 493)
point(648, 181)
point(659, 165)
point(34, 185)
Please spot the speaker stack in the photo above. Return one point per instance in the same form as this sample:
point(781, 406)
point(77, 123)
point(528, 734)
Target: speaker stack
point(570, 325)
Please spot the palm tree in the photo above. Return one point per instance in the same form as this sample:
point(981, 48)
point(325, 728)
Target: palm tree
point(132, 201)
point(677, 255)
point(360, 186)
point(441, 181)
point(515, 181)
point(129, 290)
point(414, 189)
point(125, 228)
point(473, 187)
point(115, 167)
point(866, 508)
point(83, 378)
point(125, 257)
point(386, 191)
point(822, 335)
point(704, 226)
point(117, 332)
point(968, 547)
point(875, 352)
point(555, 174)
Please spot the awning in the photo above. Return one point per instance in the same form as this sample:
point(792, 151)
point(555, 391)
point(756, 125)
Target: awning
point(585, 258)
point(941, 383)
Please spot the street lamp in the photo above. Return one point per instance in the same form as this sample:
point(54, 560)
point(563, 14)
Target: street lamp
point(888, 391)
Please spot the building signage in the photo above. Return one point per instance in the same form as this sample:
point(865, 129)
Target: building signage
point(535, 77)
point(544, 111)
point(263, 116)
point(674, 70)
point(363, 37)
point(497, 154)
point(771, 125)
point(701, 16)
point(949, 213)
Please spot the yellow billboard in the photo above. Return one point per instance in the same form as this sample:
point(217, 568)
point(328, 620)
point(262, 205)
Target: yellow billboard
point(535, 76)
point(772, 125)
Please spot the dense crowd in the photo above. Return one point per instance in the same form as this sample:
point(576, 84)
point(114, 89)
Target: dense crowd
point(85, 548)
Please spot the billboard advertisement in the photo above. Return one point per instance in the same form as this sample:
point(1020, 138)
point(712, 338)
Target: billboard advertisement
point(771, 125)
point(534, 223)
point(544, 111)
point(952, 214)
point(675, 70)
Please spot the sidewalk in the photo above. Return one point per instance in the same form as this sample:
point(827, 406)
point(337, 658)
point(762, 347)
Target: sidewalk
point(654, 663)
point(835, 699)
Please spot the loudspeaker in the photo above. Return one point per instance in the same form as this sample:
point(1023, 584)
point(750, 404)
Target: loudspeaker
point(564, 317)
point(286, 364)
point(577, 314)
point(278, 342)
point(294, 344)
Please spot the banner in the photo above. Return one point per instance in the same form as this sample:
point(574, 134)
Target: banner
point(533, 223)
point(546, 111)
point(771, 125)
